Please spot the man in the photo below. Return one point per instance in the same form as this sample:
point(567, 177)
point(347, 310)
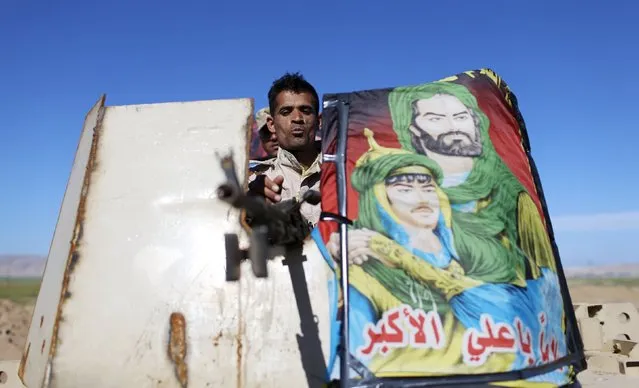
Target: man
point(437, 123)
point(443, 121)
point(268, 139)
point(294, 119)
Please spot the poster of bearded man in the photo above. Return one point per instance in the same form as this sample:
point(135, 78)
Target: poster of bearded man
point(453, 271)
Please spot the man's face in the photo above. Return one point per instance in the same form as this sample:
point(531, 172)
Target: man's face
point(444, 125)
point(294, 121)
point(414, 201)
point(269, 141)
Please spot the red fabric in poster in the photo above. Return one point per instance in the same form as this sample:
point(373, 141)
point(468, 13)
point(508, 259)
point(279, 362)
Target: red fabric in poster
point(501, 118)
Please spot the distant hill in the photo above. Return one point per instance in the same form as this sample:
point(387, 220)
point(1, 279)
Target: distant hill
point(27, 266)
point(22, 266)
point(630, 270)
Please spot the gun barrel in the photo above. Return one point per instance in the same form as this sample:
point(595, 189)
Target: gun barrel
point(227, 193)
point(284, 222)
point(255, 206)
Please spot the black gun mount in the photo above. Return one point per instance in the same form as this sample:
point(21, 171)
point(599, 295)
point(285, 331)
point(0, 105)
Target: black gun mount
point(279, 224)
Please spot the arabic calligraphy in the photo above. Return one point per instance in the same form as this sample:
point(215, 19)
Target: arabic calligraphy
point(493, 338)
point(524, 338)
point(548, 350)
point(403, 327)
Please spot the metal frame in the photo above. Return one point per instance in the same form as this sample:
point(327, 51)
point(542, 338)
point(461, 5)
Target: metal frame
point(339, 159)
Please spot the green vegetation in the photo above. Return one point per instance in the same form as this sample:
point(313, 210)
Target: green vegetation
point(604, 281)
point(19, 290)
point(24, 290)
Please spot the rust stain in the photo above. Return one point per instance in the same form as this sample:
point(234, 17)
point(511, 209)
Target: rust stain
point(23, 362)
point(239, 358)
point(177, 347)
point(216, 339)
point(74, 255)
point(238, 341)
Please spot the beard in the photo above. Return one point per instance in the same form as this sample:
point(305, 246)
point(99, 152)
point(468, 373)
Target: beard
point(445, 145)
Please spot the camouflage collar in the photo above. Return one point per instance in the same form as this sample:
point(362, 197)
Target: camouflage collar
point(285, 158)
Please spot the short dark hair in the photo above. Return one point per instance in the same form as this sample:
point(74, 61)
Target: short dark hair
point(291, 82)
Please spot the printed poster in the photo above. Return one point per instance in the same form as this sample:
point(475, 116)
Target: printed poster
point(452, 265)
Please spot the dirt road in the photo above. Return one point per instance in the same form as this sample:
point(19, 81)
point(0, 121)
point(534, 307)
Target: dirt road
point(14, 326)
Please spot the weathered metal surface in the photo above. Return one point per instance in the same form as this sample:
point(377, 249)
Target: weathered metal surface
point(286, 322)
point(149, 241)
point(9, 374)
point(36, 354)
point(134, 292)
point(152, 244)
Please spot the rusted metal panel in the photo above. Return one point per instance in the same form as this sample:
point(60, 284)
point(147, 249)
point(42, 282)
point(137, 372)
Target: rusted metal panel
point(135, 293)
point(145, 267)
point(150, 246)
point(35, 358)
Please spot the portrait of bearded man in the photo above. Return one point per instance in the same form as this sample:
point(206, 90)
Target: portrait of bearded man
point(443, 121)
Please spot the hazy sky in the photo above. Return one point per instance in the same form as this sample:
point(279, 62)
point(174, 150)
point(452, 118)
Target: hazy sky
point(574, 67)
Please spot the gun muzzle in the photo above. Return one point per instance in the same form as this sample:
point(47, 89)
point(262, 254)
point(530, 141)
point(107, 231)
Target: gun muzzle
point(227, 193)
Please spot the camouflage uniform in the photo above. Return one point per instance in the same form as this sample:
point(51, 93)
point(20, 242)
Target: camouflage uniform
point(297, 180)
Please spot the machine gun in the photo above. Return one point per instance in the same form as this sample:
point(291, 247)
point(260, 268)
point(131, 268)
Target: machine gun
point(280, 224)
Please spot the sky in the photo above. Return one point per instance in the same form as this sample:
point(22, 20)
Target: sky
point(572, 64)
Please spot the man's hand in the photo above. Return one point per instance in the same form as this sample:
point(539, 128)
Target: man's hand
point(359, 247)
point(268, 188)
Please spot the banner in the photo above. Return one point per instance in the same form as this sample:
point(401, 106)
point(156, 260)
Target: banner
point(453, 268)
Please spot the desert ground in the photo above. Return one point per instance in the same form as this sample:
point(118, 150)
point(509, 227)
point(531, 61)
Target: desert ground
point(17, 299)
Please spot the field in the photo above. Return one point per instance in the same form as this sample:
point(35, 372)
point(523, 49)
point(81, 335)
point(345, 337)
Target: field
point(604, 290)
point(17, 299)
point(19, 290)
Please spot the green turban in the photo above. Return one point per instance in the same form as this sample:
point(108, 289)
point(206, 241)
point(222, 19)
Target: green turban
point(485, 240)
point(367, 176)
